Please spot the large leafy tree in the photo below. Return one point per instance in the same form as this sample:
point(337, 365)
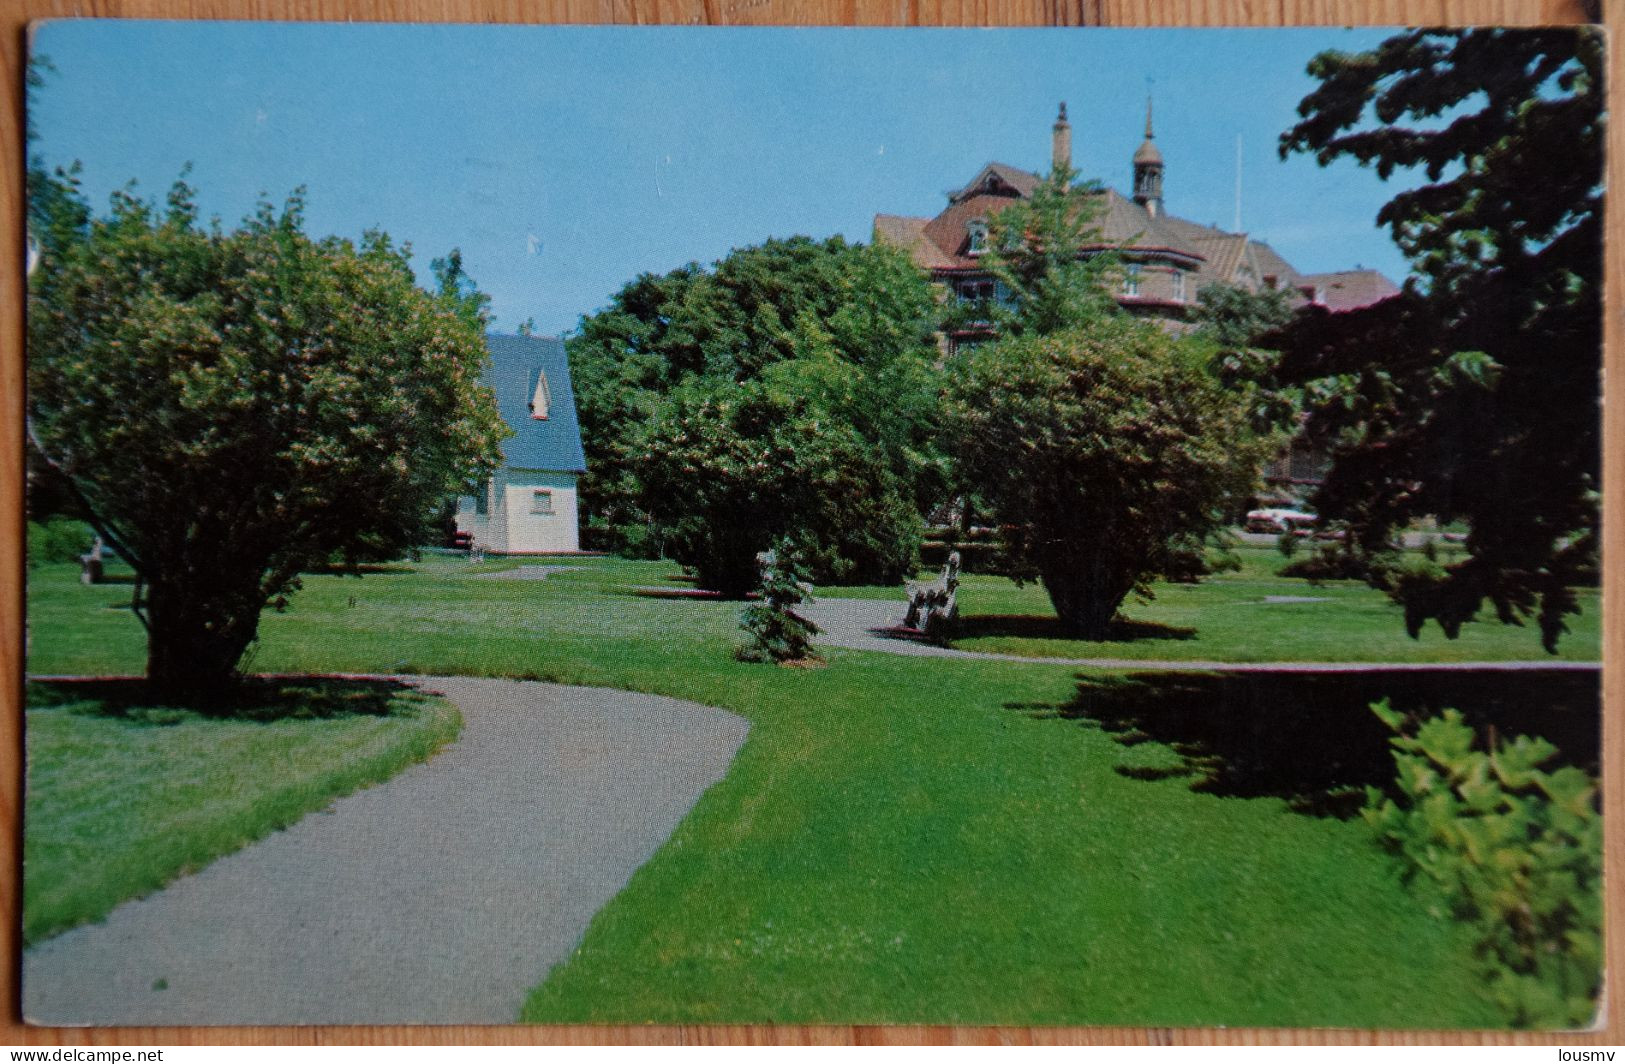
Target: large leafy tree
point(234, 407)
point(814, 360)
point(1105, 449)
point(1474, 396)
point(1109, 455)
point(1049, 256)
point(727, 468)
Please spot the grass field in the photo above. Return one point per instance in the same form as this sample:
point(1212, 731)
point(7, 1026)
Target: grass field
point(123, 797)
point(443, 615)
point(935, 841)
point(1238, 616)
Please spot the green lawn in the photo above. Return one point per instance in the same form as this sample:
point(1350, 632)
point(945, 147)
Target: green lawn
point(123, 797)
point(1229, 617)
point(936, 841)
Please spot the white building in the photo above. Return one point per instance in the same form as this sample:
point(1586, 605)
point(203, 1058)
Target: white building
point(529, 505)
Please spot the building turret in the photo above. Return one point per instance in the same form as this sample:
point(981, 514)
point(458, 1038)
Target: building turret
point(1148, 169)
point(1061, 154)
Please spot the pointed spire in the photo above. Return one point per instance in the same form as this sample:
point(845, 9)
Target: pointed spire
point(1148, 168)
point(1061, 148)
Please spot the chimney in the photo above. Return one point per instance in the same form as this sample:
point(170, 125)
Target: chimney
point(1062, 153)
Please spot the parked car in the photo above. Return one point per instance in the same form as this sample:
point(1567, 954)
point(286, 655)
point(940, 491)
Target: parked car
point(1277, 520)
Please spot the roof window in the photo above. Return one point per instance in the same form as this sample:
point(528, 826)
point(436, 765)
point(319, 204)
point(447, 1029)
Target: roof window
point(978, 237)
point(541, 399)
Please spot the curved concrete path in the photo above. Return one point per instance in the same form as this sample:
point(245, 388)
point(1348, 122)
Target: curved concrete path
point(870, 624)
point(440, 896)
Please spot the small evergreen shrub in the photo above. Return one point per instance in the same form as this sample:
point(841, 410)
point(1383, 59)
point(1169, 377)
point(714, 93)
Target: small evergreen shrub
point(1513, 849)
point(777, 632)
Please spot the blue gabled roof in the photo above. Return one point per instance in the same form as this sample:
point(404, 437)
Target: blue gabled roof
point(554, 443)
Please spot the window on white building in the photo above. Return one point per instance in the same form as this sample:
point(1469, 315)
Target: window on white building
point(1131, 279)
point(482, 497)
point(541, 501)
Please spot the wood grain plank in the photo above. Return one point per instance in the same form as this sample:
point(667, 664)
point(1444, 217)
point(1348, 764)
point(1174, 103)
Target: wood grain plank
point(17, 14)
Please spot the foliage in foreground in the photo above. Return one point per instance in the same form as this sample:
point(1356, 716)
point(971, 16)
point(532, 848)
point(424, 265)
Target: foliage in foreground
point(1474, 396)
point(125, 795)
point(1511, 848)
point(777, 632)
point(1108, 454)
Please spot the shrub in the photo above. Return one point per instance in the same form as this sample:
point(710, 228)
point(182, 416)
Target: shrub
point(1326, 561)
point(778, 633)
point(1107, 453)
point(58, 539)
point(1509, 847)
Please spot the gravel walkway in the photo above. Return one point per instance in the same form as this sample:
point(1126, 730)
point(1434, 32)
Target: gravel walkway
point(871, 624)
point(440, 896)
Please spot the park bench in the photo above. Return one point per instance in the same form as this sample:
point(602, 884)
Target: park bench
point(90, 563)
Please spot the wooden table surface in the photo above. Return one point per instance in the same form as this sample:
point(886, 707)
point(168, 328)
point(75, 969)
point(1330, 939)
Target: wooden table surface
point(17, 15)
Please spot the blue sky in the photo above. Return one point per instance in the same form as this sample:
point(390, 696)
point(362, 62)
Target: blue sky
point(564, 161)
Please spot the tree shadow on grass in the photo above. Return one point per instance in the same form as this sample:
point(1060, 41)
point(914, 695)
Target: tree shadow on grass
point(1034, 626)
point(1311, 738)
point(364, 569)
point(259, 699)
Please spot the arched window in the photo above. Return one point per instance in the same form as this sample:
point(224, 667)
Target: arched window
point(542, 399)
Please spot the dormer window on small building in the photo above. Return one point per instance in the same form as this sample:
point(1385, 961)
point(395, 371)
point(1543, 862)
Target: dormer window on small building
point(541, 399)
point(978, 237)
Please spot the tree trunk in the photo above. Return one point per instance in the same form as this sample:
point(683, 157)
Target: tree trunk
point(1085, 592)
point(195, 638)
point(727, 577)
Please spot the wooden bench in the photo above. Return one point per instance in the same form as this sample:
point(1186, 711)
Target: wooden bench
point(933, 609)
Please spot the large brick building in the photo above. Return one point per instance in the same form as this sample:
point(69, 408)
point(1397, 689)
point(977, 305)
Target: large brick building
point(1167, 260)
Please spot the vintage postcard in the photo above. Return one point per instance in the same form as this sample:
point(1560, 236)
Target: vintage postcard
point(615, 525)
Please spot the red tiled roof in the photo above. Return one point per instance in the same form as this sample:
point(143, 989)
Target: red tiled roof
point(1022, 182)
point(1268, 263)
point(1349, 289)
point(939, 244)
point(909, 234)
